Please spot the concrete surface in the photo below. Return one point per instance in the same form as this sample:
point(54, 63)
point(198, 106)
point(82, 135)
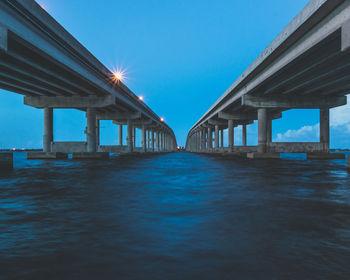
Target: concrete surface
point(263, 155)
point(44, 155)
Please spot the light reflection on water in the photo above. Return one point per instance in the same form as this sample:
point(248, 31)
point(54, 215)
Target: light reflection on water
point(175, 216)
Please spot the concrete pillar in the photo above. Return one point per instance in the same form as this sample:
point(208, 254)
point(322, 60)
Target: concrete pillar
point(129, 136)
point(222, 138)
point(201, 140)
point(152, 140)
point(216, 137)
point(262, 130)
point(134, 137)
point(97, 133)
point(205, 140)
point(244, 135)
point(91, 130)
point(157, 140)
point(210, 139)
point(230, 135)
point(120, 135)
point(143, 139)
point(48, 130)
point(324, 128)
point(269, 131)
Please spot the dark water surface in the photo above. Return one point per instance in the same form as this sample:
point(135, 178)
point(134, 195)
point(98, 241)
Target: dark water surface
point(175, 216)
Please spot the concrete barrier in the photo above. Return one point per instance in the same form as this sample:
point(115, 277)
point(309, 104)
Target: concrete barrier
point(69, 147)
point(40, 155)
point(6, 161)
point(263, 155)
point(296, 147)
point(112, 149)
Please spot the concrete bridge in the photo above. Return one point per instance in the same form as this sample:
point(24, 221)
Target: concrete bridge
point(306, 66)
point(42, 61)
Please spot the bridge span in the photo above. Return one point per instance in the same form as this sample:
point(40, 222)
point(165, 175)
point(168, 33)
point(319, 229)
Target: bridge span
point(305, 67)
point(42, 61)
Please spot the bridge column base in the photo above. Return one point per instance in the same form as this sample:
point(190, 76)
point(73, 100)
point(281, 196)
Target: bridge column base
point(90, 155)
point(349, 163)
point(43, 155)
point(325, 156)
point(263, 155)
point(6, 161)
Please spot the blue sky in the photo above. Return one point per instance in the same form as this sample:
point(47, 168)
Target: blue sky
point(180, 55)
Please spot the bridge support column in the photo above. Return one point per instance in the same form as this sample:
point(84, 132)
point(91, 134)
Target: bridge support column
point(269, 131)
point(324, 128)
point(134, 136)
point(48, 130)
point(230, 135)
point(157, 140)
point(217, 137)
point(120, 135)
point(244, 135)
point(129, 136)
point(97, 133)
point(222, 139)
point(210, 139)
point(91, 130)
point(143, 139)
point(152, 139)
point(324, 139)
point(262, 130)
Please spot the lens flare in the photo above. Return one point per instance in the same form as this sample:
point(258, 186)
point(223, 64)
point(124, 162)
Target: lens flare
point(118, 75)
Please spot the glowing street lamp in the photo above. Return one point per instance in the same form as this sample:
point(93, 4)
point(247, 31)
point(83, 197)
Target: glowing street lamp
point(118, 75)
point(141, 98)
point(162, 119)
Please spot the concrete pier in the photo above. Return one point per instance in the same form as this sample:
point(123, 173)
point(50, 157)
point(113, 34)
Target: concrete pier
point(6, 161)
point(91, 130)
point(120, 135)
point(230, 135)
point(262, 130)
point(152, 140)
point(244, 135)
point(263, 155)
point(44, 155)
point(157, 141)
point(48, 129)
point(349, 163)
point(324, 128)
point(210, 139)
point(216, 137)
point(129, 136)
point(143, 139)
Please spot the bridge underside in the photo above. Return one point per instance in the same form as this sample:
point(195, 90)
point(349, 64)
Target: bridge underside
point(43, 62)
point(312, 72)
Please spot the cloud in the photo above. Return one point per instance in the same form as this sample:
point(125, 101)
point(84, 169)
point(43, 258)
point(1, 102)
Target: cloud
point(339, 124)
point(340, 117)
point(306, 133)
